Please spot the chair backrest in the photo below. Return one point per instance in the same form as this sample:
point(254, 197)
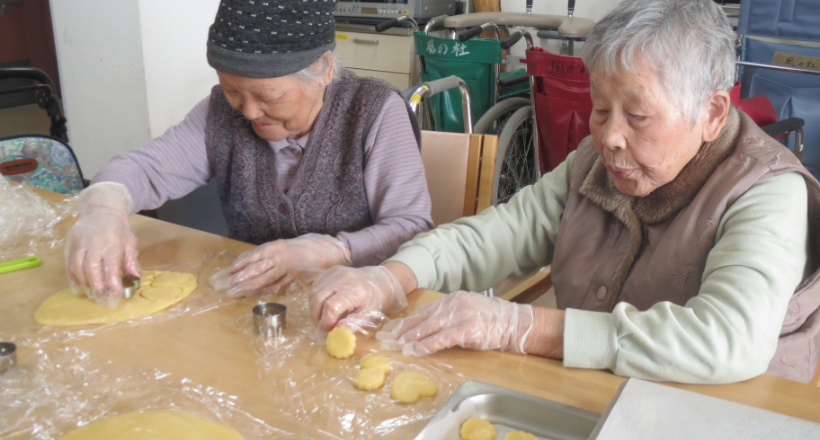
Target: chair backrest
point(41, 161)
point(459, 169)
point(200, 209)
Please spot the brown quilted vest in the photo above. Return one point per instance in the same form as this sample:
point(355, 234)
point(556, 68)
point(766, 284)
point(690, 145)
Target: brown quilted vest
point(626, 252)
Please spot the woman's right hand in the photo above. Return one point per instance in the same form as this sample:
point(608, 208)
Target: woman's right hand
point(101, 246)
point(345, 295)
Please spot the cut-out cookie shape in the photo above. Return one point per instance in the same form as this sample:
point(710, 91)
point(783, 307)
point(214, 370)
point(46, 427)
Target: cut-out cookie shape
point(520, 435)
point(409, 387)
point(372, 360)
point(341, 342)
point(156, 293)
point(477, 429)
point(369, 379)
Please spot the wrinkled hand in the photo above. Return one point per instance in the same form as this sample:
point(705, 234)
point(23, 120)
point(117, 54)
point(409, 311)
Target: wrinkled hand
point(355, 296)
point(464, 319)
point(101, 245)
point(273, 266)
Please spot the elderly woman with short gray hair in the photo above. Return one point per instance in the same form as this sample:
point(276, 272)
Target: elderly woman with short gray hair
point(317, 166)
point(682, 238)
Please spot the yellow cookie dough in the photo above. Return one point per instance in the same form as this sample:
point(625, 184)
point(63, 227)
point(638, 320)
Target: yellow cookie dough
point(372, 360)
point(341, 342)
point(173, 279)
point(160, 293)
point(477, 429)
point(409, 387)
point(369, 379)
point(157, 424)
point(520, 435)
point(156, 293)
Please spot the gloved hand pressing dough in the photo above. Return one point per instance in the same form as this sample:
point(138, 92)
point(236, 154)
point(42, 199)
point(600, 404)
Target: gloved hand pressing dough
point(101, 245)
point(354, 296)
point(463, 319)
point(273, 266)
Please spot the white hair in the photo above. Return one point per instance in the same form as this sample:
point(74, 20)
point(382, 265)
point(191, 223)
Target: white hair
point(310, 75)
point(690, 44)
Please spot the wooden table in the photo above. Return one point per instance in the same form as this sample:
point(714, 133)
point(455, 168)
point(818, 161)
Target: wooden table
point(203, 349)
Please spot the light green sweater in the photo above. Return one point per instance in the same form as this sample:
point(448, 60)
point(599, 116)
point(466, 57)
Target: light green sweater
point(727, 333)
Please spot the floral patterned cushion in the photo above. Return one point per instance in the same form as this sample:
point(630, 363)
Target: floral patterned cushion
point(57, 168)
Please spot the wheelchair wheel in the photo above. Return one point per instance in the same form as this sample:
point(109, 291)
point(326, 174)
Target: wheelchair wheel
point(498, 114)
point(515, 165)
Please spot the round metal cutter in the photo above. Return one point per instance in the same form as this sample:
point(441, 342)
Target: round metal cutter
point(8, 356)
point(269, 319)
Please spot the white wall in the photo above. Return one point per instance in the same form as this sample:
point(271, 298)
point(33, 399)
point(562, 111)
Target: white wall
point(177, 74)
point(99, 56)
point(129, 70)
point(591, 9)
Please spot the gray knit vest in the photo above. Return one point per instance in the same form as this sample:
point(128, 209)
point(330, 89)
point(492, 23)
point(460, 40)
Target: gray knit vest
point(327, 195)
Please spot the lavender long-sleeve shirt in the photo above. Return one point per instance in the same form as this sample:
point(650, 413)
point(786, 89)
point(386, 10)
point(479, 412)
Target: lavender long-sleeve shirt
point(176, 163)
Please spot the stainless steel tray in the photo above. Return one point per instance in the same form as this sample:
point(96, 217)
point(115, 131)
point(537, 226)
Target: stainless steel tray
point(509, 410)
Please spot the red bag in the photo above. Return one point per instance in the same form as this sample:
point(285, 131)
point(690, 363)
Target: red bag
point(562, 104)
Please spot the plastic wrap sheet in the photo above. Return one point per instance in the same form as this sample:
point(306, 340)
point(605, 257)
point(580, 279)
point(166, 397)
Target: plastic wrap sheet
point(316, 390)
point(53, 391)
point(28, 222)
point(18, 302)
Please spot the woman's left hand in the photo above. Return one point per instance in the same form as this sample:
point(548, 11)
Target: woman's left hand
point(274, 266)
point(464, 319)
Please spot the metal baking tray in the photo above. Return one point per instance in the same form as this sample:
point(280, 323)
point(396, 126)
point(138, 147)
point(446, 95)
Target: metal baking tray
point(509, 410)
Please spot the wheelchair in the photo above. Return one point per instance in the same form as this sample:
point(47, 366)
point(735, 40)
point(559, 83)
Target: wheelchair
point(477, 61)
point(509, 113)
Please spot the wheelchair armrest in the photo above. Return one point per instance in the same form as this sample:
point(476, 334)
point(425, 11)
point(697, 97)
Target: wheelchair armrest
point(782, 127)
point(513, 80)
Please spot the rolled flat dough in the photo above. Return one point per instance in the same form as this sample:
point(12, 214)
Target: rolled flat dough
point(157, 424)
point(158, 291)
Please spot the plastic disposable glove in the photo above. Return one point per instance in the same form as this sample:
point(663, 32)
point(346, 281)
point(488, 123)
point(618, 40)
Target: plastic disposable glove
point(101, 246)
point(354, 297)
point(463, 319)
point(273, 266)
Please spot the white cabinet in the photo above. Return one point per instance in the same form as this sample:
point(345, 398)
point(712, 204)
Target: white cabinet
point(389, 55)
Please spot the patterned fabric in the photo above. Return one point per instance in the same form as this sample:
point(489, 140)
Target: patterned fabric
point(58, 169)
point(270, 38)
point(273, 26)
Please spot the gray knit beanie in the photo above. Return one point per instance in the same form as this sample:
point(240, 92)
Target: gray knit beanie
point(270, 38)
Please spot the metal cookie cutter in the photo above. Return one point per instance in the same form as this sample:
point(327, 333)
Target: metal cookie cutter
point(8, 356)
point(269, 319)
point(130, 284)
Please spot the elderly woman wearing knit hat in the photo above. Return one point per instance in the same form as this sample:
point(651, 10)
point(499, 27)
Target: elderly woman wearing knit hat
point(315, 165)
